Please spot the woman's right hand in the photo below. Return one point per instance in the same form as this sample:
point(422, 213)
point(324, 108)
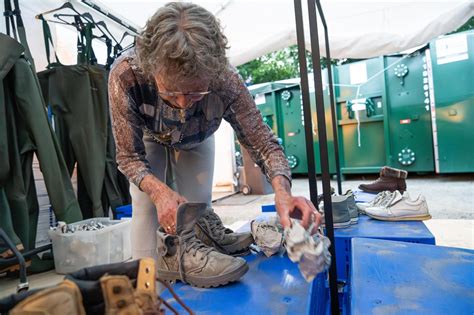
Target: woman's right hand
point(167, 202)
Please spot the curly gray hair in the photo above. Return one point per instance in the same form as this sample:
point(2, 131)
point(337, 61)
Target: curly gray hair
point(182, 42)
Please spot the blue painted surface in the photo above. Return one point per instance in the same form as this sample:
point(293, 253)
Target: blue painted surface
point(403, 278)
point(371, 228)
point(408, 231)
point(271, 286)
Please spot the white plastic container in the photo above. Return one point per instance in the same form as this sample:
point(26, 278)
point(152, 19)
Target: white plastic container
point(74, 251)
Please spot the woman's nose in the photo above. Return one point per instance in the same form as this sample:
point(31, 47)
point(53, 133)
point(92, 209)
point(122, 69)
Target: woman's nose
point(182, 101)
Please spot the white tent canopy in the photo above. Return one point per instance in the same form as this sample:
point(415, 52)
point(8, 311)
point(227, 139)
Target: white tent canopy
point(357, 28)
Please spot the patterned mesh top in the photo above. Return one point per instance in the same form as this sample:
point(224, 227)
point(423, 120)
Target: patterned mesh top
point(136, 108)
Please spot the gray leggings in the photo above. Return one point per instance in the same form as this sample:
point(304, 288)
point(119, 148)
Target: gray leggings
point(188, 172)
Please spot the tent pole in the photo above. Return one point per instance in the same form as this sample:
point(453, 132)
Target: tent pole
point(331, 97)
point(321, 132)
point(308, 125)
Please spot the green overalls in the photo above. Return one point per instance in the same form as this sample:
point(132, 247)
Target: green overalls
point(25, 131)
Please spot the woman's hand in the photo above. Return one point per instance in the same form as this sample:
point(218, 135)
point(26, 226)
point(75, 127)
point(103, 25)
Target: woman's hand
point(166, 202)
point(289, 206)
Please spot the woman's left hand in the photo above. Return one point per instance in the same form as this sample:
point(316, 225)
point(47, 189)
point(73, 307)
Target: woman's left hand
point(288, 206)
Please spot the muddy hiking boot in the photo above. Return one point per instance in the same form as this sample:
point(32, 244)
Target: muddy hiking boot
point(184, 257)
point(390, 179)
point(210, 230)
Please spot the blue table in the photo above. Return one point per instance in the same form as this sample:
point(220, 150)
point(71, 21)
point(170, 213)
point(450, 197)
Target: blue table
point(402, 278)
point(408, 231)
point(271, 286)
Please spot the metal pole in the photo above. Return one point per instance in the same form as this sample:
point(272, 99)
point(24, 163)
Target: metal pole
point(331, 97)
point(308, 125)
point(322, 133)
point(323, 149)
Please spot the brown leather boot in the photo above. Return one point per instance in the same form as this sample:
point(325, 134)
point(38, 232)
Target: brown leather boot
point(390, 179)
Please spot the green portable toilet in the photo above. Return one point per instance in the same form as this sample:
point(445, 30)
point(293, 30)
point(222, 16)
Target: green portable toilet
point(281, 108)
point(408, 113)
point(360, 110)
point(452, 59)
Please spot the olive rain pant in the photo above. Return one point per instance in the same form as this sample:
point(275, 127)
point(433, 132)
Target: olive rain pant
point(24, 131)
point(78, 98)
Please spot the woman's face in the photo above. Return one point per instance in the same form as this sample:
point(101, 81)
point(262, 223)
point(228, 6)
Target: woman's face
point(184, 95)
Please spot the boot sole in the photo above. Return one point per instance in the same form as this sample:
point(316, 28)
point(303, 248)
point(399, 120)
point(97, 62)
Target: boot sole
point(244, 252)
point(379, 191)
point(238, 250)
point(340, 225)
point(410, 218)
point(354, 220)
point(208, 282)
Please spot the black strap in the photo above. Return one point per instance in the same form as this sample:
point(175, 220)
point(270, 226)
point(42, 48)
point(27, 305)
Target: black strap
point(9, 19)
point(110, 56)
point(90, 55)
point(22, 31)
point(81, 46)
point(13, 19)
point(48, 40)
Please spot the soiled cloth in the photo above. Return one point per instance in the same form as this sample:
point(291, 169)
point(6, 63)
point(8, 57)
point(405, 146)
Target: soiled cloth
point(268, 234)
point(311, 252)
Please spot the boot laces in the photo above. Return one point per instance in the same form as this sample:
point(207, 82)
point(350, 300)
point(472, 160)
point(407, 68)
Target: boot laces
point(214, 225)
point(380, 198)
point(189, 243)
point(387, 202)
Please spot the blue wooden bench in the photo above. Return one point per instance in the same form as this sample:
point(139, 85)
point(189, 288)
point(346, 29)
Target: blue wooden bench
point(402, 278)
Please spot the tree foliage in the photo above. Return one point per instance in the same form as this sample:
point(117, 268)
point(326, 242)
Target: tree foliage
point(469, 25)
point(278, 65)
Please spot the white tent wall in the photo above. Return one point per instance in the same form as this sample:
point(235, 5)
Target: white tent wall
point(357, 29)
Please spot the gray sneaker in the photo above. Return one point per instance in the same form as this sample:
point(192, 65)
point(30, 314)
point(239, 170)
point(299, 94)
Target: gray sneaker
point(340, 211)
point(351, 204)
point(210, 230)
point(184, 257)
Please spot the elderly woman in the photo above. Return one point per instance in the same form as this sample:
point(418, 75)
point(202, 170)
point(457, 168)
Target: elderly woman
point(167, 98)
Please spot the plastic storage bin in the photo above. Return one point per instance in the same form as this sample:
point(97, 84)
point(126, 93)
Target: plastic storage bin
point(74, 251)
